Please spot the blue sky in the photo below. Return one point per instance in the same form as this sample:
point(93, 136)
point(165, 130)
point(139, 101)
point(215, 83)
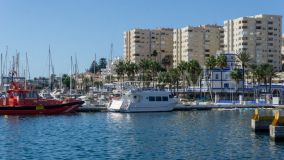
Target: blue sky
point(86, 27)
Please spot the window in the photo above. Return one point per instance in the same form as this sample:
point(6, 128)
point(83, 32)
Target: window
point(151, 98)
point(258, 22)
point(165, 98)
point(217, 76)
point(226, 85)
point(158, 98)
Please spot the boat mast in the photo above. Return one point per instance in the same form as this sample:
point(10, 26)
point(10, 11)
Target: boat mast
point(94, 72)
point(76, 72)
point(26, 70)
point(110, 63)
point(71, 72)
point(5, 64)
point(1, 71)
point(49, 63)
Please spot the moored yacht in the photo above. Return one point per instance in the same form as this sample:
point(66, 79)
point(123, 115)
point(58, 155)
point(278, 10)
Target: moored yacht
point(143, 101)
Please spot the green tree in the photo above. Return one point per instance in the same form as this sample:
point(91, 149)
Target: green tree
point(144, 65)
point(164, 79)
point(94, 68)
point(194, 70)
point(167, 61)
point(244, 58)
point(174, 77)
point(102, 63)
point(236, 75)
point(221, 62)
point(120, 69)
point(154, 67)
point(131, 69)
point(182, 66)
point(154, 54)
point(210, 64)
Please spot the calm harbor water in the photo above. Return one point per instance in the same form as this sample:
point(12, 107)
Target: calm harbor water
point(168, 135)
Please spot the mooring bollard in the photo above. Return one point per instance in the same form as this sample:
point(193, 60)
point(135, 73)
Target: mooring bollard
point(276, 129)
point(260, 123)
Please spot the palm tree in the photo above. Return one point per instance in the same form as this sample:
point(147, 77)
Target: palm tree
point(144, 65)
point(167, 61)
point(194, 70)
point(244, 58)
point(236, 75)
point(269, 73)
point(174, 76)
point(182, 69)
point(131, 69)
point(154, 67)
point(210, 64)
point(221, 62)
point(154, 54)
point(164, 78)
point(120, 70)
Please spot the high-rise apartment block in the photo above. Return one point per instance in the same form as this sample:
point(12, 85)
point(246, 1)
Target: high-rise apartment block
point(196, 43)
point(282, 50)
point(142, 43)
point(259, 35)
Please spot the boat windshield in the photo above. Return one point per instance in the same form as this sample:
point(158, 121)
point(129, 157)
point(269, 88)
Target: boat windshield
point(23, 95)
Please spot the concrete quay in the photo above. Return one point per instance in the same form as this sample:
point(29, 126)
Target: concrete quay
point(182, 107)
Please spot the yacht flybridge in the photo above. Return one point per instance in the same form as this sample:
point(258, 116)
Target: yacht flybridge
point(143, 101)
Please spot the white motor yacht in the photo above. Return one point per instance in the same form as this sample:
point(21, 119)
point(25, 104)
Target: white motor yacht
point(143, 101)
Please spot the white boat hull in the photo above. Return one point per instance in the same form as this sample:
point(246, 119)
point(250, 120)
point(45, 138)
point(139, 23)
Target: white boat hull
point(122, 106)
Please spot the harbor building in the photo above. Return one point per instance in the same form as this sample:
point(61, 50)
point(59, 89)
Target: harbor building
point(196, 43)
point(142, 43)
point(219, 80)
point(259, 35)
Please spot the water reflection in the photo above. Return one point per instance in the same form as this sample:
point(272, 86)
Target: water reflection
point(213, 134)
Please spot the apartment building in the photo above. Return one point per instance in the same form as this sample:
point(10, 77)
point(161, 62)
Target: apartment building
point(141, 43)
point(282, 48)
point(258, 35)
point(196, 43)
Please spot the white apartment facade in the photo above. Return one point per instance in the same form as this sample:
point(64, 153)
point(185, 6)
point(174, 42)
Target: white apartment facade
point(196, 43)
point(259, 35)
point(282, 48)
point(141, 43)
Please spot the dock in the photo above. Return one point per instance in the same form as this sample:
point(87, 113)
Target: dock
point(181, 107)
point(99, 108)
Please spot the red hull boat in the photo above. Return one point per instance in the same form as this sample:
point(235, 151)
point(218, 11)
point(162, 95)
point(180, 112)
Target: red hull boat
point(27, 102)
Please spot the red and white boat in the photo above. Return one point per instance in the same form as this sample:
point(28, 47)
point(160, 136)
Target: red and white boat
point(20, 101)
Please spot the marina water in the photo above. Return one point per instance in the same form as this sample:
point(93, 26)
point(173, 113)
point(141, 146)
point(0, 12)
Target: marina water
point(165, 135)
